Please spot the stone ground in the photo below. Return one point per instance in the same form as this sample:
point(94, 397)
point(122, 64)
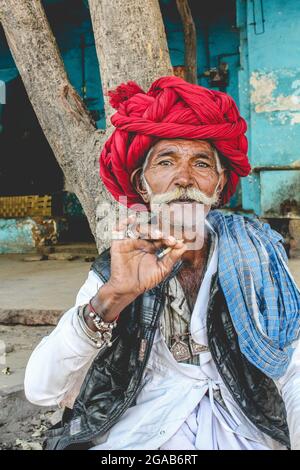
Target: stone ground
point(49, 288)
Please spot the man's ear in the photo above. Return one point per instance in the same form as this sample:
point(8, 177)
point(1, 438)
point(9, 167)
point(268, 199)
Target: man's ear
point(222, 183)
point(136, 182)
point(223, 179)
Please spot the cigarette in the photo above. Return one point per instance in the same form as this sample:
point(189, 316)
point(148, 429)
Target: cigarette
point(167, 250)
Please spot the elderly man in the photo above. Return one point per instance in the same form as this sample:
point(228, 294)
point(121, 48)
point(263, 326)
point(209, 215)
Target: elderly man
point(177, 343)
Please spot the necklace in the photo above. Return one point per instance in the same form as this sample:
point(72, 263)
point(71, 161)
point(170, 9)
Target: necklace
point(180, 349)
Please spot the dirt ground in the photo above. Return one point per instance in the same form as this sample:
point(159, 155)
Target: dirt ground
point(39, 285)
point(22, 424)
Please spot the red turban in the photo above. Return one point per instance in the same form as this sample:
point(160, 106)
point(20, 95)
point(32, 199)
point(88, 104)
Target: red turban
point(172, 108)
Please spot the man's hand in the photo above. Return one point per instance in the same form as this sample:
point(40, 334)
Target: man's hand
point(135, 268)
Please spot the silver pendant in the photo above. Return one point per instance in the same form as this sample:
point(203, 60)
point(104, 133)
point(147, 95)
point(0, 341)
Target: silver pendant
point(180, 350)
point(197, 348)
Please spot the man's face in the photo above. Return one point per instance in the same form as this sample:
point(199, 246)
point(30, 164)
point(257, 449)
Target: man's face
point(181, 164)
point(181, 181)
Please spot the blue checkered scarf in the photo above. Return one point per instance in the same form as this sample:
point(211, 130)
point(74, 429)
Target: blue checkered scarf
point(262, 297)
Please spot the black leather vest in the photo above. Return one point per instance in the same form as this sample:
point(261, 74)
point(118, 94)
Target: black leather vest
point(113, 380)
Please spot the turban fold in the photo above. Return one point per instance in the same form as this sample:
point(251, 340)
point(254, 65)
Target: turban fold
point(171, 109)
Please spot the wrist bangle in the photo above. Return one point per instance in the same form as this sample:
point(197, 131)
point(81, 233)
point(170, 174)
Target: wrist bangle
point(103, 327)
point(96, 314)
point(92, 335)
point(102, 336)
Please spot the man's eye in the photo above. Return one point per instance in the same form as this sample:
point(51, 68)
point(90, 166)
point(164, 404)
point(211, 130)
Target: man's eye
point(202, 164)
point(165, 162)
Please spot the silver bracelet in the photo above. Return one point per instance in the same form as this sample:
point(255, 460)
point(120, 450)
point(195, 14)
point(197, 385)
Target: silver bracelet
point(92, 335)
point(101, 337)
point(100, 324)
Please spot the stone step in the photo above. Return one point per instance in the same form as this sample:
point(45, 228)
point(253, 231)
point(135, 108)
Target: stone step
point(63, 251)
point(76, 248)
point(30, 316)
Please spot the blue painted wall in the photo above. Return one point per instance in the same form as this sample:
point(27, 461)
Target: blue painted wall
point(216, 36)
point(269, 94)
point(16, 235)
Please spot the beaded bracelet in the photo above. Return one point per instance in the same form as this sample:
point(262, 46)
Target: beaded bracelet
point(96, 314)
point(104, 329)
point(103, 334)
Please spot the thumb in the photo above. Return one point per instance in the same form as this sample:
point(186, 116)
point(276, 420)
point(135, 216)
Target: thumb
point(168, 261)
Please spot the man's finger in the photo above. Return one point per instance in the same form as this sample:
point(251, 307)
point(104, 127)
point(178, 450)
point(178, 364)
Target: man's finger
point(151, 246)
point(123, 223)
point(149, 231)
point(176, 252)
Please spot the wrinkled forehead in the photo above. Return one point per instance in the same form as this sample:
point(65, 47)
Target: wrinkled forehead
point(182, 144)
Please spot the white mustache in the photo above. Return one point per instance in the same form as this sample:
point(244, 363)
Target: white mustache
point(192, 194)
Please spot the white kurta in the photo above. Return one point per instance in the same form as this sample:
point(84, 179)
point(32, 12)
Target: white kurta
point(172, 410)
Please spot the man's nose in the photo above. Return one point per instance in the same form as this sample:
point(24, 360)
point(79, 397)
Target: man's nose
point(183, 177)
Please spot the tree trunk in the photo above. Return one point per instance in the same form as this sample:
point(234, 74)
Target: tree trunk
point(131, 45)
point(130, 42)
point(190, 41)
